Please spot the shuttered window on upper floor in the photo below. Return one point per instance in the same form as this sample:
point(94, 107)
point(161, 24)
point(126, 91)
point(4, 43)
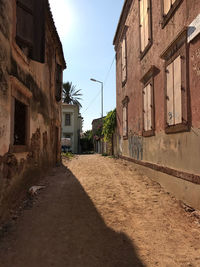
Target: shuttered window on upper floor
point(58, 78)
point(177, 104)
point(145, 25)
point(30, 28)
point(124, 60)
point(168, 9)
point(167, 5)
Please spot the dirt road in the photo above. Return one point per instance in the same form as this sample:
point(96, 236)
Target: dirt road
point(101, 212)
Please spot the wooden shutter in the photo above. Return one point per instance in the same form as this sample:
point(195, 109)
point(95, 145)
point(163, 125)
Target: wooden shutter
point(142, 41)
point(145, 109)
point(124, 59)
point(170, 94)
point(25, 24)
point(30, 28)
point(167, 6)
point(177, 91)
point(146, 23)
point(125, 121)
point(58, 89)
point(38, 53)
point(147, 106)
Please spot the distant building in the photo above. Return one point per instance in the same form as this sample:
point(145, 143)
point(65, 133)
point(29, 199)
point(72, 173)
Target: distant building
point(71, 126)
point(31, 66)
point(97, 125)
point(157, 46)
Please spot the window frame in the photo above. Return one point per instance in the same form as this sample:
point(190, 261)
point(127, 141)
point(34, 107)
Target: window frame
point(179, 47)
point(23, 95)
point(148, 78)
point(147, 133)
point(58, 82)
point(166, 18)
point(35, 53)
point(125, 105)
point(150, 39)
point(124, 39)
point(69, 119)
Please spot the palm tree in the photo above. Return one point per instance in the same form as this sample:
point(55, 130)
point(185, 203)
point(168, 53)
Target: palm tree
point(71, 95)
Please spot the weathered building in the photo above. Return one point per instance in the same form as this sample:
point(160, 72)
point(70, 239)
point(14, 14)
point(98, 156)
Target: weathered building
point(71, 126)
point(157, 45)
point(31, 65)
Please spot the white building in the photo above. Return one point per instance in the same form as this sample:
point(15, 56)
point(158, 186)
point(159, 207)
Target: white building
point(71, 126)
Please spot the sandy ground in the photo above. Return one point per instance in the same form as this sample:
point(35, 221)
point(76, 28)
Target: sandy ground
point(101, 212)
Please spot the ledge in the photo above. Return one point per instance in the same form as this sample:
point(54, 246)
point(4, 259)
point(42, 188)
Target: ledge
point(193, 178)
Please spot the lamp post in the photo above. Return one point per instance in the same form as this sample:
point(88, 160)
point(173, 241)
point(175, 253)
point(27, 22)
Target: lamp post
point(101, 94)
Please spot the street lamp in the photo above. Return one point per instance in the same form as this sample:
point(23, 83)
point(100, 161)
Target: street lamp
point(101, 94)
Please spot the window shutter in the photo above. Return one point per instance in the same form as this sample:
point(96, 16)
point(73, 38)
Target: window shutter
point(58, 89)
point(25, 24)
point(170, 95)
point(124, 121)
point(38, 53)
point(167, 6)
point(149, 107)
point(124, 59)
point(146, 23)
point(177, 91)
point(142, 41)
point(145, 109)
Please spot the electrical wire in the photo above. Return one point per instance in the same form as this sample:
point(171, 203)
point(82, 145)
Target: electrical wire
point(105, 80)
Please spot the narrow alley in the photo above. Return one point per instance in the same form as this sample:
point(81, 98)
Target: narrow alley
point(101, 212)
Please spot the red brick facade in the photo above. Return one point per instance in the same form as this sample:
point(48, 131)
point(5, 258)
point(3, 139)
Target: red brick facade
point(166, 60)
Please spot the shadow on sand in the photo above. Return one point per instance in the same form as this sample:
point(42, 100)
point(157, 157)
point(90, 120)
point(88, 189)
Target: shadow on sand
point(65, 229)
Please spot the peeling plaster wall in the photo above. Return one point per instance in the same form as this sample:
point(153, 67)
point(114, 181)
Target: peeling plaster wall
point(19, 170)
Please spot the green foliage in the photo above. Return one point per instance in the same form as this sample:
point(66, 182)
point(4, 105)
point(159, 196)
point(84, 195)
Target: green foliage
point(109, 125)
point(88, 134)
point(71, 95)
point(98, 132)
point(87, 142)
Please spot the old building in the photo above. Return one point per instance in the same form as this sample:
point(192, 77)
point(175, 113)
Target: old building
point(31, 65)
point(157, 45)
point(97, 126)
point(71, 126)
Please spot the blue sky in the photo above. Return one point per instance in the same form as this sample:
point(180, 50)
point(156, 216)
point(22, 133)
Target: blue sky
point(86, 29)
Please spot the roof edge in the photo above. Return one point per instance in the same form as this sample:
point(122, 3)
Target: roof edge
point(56, 33)
point(122, 19)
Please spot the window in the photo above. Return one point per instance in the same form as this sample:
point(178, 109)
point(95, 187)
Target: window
point(168, 9)
point(176, 85)
point(67, 119)
point(30, 28)
point(148, 109)
point(20, 116)
point(125, 117)
point(145, 26)
point(148, 101)
point(20, 123)
point(58, 89)
point(124, 61)
point(174, 110)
